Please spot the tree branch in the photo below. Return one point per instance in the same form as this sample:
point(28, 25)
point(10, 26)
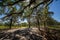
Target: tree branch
point(24, 8)
point(13, 3)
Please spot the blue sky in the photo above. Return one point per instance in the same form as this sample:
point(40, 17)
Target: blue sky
point(55, 7)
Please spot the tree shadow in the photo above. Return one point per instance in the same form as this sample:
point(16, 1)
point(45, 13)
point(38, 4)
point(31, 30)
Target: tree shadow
point(27, 34)
point(20, 35)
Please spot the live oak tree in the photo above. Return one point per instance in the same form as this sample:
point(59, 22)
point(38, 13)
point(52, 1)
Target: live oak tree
point(26, 9)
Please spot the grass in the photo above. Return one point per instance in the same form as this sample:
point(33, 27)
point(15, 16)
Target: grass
point(55, 27)
point(4, 27)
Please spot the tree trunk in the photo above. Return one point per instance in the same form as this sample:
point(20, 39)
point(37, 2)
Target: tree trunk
point(29, 22)
point(38, 23)
point(10, 23)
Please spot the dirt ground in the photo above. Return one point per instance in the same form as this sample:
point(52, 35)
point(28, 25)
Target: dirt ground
point(29, 34)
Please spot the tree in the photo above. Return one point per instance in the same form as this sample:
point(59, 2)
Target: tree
point(26, 5)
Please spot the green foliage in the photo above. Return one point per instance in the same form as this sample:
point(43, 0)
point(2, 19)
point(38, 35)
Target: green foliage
point(35, 13)
point(24, 24)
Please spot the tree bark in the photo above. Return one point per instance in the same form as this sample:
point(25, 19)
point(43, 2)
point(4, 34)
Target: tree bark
point(29, 22)
point(10, 23)
point(38, 23)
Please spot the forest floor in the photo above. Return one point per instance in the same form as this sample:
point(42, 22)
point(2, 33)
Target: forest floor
point(29, 34)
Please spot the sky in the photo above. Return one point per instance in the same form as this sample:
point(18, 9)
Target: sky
point(55, 7)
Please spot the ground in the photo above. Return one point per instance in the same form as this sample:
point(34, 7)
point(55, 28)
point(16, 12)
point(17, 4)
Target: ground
point(29, 34)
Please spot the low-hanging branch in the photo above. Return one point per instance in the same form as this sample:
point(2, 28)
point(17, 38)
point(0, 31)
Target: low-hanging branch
point(25, 8)
point(48, 3)
point(22, 10)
